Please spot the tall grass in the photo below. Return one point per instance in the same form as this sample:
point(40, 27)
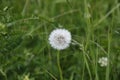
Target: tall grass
point(25, 52)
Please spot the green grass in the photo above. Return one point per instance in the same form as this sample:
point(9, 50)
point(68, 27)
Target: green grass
point(25, 52)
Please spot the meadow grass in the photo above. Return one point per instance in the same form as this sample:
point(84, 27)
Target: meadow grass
point(25, 52)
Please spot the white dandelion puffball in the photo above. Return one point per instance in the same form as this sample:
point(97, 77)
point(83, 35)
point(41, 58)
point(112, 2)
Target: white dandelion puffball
point(60, 39)
point(103, 61)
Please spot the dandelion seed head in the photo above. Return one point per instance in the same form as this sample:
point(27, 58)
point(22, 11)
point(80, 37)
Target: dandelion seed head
point(60, 39)
point(103, 61)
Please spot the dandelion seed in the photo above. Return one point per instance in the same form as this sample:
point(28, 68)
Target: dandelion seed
point(103, 61)
point(60, 39)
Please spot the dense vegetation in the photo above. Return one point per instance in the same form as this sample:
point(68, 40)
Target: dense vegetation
point(25, 52)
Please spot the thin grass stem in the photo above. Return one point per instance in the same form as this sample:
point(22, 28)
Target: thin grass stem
point(59, 67)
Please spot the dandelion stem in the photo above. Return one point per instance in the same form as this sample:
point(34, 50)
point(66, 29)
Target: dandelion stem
point(59, 67)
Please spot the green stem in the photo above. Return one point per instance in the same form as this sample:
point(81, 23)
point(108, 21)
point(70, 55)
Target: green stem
point(59, 67)
point(25, 7)
point(87, 66)
point(83, 71)
point(4, 74)
point(88, 38)
point(109, 50)
point(86, 63)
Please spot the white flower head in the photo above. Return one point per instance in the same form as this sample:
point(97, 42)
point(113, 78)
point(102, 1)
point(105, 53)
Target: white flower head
point(60, 39)
point(103, 61)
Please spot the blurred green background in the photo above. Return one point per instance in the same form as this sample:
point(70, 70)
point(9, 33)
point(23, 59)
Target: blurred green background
point(25, 25)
